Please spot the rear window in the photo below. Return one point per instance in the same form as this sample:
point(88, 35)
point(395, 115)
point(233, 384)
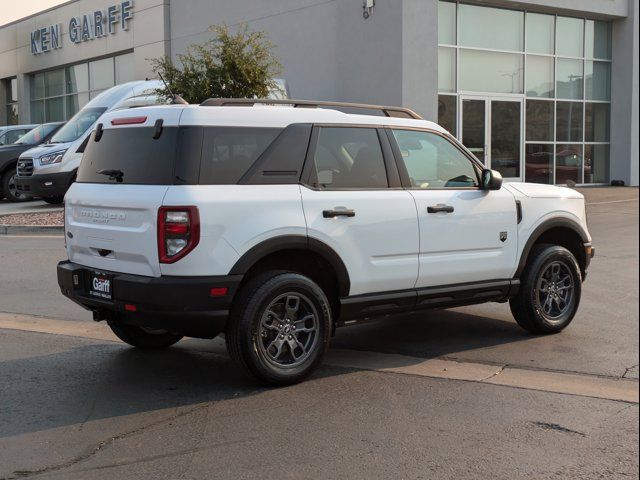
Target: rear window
point(133, 152)
point(182, 155)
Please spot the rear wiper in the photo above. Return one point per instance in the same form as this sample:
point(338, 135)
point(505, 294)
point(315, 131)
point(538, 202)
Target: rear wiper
point(116, 175)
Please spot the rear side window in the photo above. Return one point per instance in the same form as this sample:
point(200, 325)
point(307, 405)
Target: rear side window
point(130, 156)
point(348, 157)
point(228, 152)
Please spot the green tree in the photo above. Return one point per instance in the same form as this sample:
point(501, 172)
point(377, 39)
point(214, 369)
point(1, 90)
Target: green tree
point(232, 65)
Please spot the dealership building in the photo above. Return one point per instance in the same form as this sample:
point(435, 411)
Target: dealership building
point(541, 90)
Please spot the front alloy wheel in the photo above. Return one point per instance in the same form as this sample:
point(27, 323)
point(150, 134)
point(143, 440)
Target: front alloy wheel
point(550, 290)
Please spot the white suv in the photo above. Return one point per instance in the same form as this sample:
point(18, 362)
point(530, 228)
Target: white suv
point(275, 222)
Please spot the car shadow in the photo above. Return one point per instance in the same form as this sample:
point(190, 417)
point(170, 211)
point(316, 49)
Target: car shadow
point(104, 380)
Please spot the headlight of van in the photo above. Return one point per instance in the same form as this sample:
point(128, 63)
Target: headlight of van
point(51, 158)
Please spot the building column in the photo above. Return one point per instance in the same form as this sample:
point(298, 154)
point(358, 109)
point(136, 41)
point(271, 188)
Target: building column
point(624, 98)
point(24, 99)
point(420, 57)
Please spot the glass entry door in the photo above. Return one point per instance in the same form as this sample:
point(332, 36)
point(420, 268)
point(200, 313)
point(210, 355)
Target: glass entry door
point(491, 128)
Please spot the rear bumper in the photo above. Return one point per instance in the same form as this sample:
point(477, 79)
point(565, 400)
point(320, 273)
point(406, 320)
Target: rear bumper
point(48, 185)
point(181, 305)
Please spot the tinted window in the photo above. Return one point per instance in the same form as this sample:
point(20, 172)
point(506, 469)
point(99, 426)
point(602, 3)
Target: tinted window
point(78, 124)
point(432, 161)
point(349, 158)
point(228, 152)
point(12, 136)
point(132, 151)
point(36, 135)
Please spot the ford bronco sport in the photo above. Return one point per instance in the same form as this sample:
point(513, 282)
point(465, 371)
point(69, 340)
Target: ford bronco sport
point(274, 222)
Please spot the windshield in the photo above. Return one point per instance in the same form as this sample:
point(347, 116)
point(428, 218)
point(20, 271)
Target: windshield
point(35, 136)
point(79, 123)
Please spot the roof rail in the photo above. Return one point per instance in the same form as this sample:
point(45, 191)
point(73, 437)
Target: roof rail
point(400, 112)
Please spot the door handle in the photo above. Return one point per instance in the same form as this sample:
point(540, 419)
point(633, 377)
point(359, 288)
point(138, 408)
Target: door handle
point(344, 212)
point(440, 208)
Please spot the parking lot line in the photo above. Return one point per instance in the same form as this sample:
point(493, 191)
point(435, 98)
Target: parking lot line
point(608, 388)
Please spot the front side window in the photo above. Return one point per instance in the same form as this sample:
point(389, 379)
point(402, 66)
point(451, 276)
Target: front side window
point(349, 157)
point(432, 161)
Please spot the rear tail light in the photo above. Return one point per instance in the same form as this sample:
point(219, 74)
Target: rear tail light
point(178, 232)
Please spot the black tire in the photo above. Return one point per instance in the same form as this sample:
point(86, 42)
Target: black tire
point(266, 344)
point(54, 200)
point(546, 302)
point(8, 190)
point(141, 338)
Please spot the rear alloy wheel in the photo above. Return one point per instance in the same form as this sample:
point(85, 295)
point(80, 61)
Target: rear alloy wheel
point(9, 188)
point(550, 290)
point(279, 328)
point(142, 337)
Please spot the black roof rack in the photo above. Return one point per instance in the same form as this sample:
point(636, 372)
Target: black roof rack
point(399, 112)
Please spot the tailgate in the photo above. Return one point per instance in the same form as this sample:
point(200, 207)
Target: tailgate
point(113, 227)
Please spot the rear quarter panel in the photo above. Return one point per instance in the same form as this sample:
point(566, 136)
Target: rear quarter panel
point(233, 219)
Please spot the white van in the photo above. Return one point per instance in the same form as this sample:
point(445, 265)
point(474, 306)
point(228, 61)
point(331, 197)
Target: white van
point(48, 170)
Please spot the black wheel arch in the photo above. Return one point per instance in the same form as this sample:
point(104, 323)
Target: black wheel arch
point(284, 243)
point(559, 231)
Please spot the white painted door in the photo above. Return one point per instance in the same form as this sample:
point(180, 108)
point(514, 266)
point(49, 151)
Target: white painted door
point(466, 234)
point(350, 207)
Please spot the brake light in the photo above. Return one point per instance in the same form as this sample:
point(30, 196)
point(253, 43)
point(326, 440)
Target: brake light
point(178, 232)
point(128, 120)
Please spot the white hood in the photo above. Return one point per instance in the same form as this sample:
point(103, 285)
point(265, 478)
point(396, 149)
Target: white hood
point(539, 190)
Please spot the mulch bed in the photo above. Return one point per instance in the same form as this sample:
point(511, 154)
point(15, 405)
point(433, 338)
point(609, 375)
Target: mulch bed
point(38, 219)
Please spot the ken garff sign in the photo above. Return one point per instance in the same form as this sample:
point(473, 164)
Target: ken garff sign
point(100, 23)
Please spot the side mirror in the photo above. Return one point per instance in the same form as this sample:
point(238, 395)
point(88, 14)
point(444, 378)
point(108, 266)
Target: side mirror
point(491, 179)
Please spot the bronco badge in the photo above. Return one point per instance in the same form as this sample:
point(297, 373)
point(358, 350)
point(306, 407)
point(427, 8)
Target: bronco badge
point(503, 236)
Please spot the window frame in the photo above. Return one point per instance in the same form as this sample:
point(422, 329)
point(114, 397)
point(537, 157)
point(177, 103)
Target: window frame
point(309, 178)
point(404, 174)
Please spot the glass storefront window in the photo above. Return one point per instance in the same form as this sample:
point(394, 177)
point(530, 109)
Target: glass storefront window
point(56, 95)
point(101, 74)
point(37, 111)
point(596, 122)
point(37, 86)
point(597, 39)
point(540, 76)
point(54, 109)
point(124, 68)
point(540, 123)
point(568, 163)
point(569, 121)
point(474, 28)
point(540, 33)
point(446, 23)
point(570, 37)
point(76, 102)
point(539, 163)
point(482, 71)
point(11, 100)
point(596, 163)
point(54, 83)
point(569, 78)
point(446, 69)
point(597, 81)
point(78, 78)
point(447, 112)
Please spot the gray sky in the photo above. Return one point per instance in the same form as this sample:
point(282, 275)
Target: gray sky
point(11, 10)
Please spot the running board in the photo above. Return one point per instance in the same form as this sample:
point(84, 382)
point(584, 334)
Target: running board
point(389, 303)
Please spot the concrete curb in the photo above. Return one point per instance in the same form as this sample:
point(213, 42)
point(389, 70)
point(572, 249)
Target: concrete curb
point(31, 230)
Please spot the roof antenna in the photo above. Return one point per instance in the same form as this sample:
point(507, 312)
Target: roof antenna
point(175, 99)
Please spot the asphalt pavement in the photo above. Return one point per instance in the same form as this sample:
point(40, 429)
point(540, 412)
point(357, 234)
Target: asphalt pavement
point(75, 407)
